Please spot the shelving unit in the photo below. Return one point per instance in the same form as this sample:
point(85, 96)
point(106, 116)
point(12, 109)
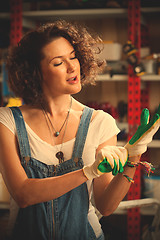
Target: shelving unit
point(124, 77)
point(30, 19)
point(84, 13)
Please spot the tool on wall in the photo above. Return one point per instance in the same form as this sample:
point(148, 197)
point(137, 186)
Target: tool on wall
point(130, 50)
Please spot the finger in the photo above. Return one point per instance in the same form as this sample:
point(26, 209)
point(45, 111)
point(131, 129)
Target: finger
point(106, 153)
point(122, 154)
point(125, 156)
point(105, 161)
point(154, 120)
point(104, 166)
point(110, 160)
point(120, 168)
point(115, 170)
point(145, 117)
point(115, 159)
point(158, 110)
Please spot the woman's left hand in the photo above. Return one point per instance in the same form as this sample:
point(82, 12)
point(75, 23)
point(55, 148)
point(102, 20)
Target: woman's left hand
point(144, 134)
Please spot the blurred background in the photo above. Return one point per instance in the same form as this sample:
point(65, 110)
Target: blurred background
point(131, 58)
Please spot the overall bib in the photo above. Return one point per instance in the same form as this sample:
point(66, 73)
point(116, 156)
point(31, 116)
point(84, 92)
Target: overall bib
point(64, 218)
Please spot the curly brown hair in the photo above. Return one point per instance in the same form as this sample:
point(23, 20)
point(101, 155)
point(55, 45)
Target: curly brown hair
point(23, 62)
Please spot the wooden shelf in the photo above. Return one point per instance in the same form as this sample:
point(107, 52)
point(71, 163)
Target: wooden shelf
point(115, 77)
point(150, 77)
point(84, 13)
point(154, 144)
point(4, 205)
point(123, 77)
point(100, 12)
point(148, 206)
point(71, 13)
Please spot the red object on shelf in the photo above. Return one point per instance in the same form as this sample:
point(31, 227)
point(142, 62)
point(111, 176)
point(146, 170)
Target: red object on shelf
point(16, 21)
point(134, 110)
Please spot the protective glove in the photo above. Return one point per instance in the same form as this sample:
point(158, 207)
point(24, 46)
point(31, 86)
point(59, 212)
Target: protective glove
point(109, 159)
point(144, 134)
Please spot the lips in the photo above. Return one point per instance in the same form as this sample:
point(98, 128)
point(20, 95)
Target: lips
point(73, 80)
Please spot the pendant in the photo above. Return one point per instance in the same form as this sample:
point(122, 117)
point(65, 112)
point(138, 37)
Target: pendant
point(56, 134)
point(60, 156)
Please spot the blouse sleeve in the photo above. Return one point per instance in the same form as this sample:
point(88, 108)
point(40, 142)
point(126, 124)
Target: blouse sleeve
point(6, 118)
point(107, 127)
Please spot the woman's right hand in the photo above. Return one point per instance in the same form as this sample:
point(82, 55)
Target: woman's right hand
point(109, 159)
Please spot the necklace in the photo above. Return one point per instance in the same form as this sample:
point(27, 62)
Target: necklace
point(56, 134)
point(59, 154)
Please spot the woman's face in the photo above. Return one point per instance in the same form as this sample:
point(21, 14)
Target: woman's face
point(60, 69)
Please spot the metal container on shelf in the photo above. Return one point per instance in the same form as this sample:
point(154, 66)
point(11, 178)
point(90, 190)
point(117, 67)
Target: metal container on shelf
point(112, 51)
point(152, 187)
point(150, 66)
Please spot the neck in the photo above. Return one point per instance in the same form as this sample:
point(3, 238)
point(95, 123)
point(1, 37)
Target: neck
point(58, 105)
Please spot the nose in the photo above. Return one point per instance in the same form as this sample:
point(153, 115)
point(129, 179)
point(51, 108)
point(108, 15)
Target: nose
point(70, 66)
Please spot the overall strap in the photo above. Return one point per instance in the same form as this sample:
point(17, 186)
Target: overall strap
point(82, 132)
point(21, 133)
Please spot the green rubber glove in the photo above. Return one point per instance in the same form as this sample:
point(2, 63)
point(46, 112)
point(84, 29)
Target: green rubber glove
point(112, 159)
point(109, 159)
point(144, 134)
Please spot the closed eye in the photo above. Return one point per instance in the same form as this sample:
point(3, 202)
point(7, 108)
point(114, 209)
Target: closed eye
point(57, 64)
point(73, 58)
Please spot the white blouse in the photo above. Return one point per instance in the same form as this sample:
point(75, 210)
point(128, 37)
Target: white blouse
point(101, 129)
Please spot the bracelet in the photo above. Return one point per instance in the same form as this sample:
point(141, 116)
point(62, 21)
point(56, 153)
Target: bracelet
point(130, 180)
point(132, 164)
point(148, 166)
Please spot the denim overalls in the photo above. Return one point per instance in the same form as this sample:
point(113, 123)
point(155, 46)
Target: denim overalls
point(64, 218)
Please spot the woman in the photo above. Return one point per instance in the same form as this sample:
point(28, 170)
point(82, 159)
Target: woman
point(49, 147)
